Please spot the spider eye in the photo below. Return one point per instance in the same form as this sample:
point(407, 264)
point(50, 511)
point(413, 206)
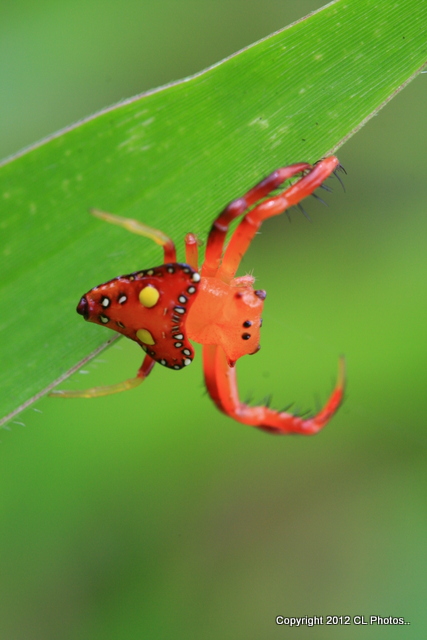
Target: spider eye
point(246, 336)
point(247, 324)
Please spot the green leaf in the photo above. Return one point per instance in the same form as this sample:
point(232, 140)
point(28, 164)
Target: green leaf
point(173, 158)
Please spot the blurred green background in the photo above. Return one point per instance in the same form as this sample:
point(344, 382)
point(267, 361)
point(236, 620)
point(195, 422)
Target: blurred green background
point(150, 514)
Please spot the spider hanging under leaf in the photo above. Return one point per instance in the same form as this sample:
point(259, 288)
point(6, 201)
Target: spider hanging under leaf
point(165, 307)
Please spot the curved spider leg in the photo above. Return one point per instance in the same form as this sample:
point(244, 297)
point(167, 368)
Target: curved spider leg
point(219, 229)
point(221, 383)
point(134, 226)
point(96, 392)
point(192, 250)
point(249, 225)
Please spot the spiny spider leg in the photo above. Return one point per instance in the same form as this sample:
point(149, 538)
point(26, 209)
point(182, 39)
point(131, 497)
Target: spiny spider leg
point(222, 386)
point(251, 222)
point(219, 229)
point(106, 390)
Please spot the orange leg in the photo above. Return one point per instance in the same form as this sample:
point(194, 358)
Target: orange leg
point(222, 386)
point(219, 229)
point(248, 227)
point(192, 250)
point(96, 392)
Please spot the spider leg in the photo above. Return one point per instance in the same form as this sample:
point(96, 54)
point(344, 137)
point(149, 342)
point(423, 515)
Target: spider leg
point(219, 229)
point(221, 383)
point(96, 392)
point(134, 226)
point(249, 225)
point(192, 250)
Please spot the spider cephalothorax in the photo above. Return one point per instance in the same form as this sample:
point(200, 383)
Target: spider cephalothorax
point(165, 307)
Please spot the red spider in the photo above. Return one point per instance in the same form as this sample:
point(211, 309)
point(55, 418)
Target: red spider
point(164, 307)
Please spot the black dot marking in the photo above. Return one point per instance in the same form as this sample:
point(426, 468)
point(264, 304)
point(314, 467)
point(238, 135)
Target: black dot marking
point(105, 302)
point(163, 362)
point(195, 277)
point(152, 353)
point(150, 272)
point(178, 336)
point(180, 310)
point(186, 352)
point(247, 324)
point(178, 345)
point(177, 366)
point(187, 361)
point(186, 270)
point(120, 324)
point(182, 299)
point(122, 299)
point(170, 270)
point(246, 336)
point(191, 289)
point(104, 319)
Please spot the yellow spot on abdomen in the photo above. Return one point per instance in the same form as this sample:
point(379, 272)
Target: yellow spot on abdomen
point(149, 296)
point(145, 336)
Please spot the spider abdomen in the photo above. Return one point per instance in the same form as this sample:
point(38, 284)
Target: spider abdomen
point(149, 307)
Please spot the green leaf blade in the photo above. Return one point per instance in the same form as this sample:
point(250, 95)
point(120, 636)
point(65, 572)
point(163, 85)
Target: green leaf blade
point(173, 158)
